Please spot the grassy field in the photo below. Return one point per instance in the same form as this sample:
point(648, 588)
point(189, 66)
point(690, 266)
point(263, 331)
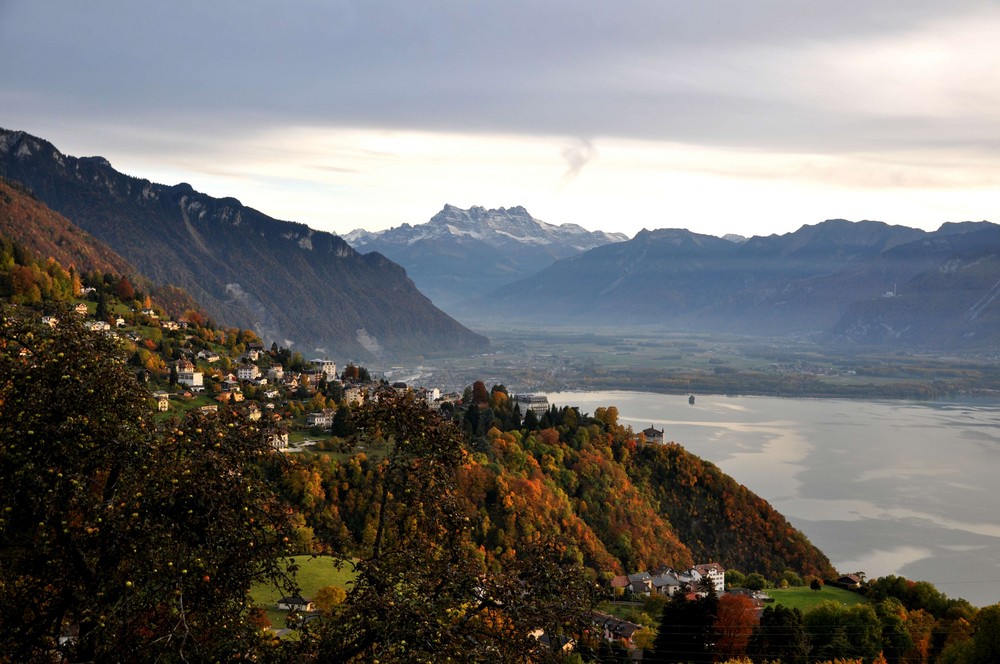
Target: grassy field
point(803, 598)
point(313, 574)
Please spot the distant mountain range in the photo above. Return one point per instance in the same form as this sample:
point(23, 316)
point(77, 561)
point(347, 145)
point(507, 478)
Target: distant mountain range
point(461, 254)
point(288, 282)
point(837, 282)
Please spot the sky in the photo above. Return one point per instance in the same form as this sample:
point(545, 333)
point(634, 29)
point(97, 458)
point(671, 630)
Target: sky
point(720, 117)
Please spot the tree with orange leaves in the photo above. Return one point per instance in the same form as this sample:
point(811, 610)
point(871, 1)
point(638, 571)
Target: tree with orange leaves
point(734, 624)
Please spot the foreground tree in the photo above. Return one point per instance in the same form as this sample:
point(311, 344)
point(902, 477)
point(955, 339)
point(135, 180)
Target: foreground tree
point(128, 539)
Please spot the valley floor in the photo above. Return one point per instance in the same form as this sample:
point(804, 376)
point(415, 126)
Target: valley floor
point(671, 363)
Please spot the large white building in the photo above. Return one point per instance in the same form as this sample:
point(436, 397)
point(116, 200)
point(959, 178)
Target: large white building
point(715, 573)
point(536, 402)
point(248, 372)
point(328, 367)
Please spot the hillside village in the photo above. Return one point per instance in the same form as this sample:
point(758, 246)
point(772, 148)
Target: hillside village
point(188, 365)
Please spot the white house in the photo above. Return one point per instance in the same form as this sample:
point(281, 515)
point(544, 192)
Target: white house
point(188, 375)
point(279, 441)
point(248, 372)
point(665, 583)
point(162, 401)
point(321, 418)
point(295, 603)
point(355, 393)
point(209, 356)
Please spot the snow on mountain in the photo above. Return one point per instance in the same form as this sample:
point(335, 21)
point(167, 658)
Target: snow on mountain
point(495, 227)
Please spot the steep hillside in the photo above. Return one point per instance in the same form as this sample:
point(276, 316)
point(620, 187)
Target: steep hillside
point(286, 281)
point(48, 234)
point(460, 254)
point(612, 503)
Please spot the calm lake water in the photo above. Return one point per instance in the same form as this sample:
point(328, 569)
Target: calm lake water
point(885, 487)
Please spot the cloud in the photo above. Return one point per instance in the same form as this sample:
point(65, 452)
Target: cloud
point(351, 114)
point(576, 157)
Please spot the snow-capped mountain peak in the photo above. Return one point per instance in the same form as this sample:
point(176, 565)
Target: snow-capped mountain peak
point(495, 227)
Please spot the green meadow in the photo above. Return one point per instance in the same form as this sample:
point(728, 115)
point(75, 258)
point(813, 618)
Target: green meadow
point(313, 573)
point(804, 598)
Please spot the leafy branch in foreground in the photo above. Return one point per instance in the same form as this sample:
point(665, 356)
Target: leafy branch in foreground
point(118, 536)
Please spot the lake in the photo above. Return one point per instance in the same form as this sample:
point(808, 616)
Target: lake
point(884, 487)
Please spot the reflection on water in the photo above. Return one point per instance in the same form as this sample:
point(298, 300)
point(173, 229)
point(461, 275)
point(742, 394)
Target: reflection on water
point(882, 487)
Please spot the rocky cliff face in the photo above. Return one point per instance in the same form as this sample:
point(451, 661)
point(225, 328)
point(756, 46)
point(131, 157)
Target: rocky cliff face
point(287, 281)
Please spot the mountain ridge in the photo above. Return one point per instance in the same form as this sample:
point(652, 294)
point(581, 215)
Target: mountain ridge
point(286, 281)
point(830, 282)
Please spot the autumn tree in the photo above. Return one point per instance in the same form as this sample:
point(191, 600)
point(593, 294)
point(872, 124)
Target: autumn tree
point(480, 396)
point(986, 638)
point(343, 421)
point(734, 624)
point(124, 290)
point(920, 626)
point(896, 639)
point(139, 540)
point(327, 598)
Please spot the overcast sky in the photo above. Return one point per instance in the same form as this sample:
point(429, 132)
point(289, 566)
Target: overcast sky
point(721, 117)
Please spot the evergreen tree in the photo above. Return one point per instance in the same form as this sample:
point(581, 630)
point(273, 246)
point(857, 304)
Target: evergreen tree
point(686, 632)
point(102, 306)
point(780, 636)
point(515, 418)
point(343, 421)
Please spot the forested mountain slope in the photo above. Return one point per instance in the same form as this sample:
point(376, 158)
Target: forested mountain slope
point(284, 280)
point(615, 504)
